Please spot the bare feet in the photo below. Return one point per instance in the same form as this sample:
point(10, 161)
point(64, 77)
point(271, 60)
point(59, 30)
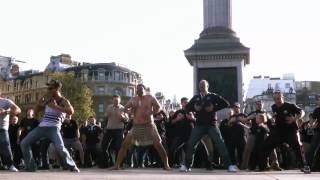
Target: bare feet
point(167, 168)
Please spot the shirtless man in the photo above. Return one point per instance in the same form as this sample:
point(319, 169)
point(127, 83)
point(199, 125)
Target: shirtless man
point(144, 131)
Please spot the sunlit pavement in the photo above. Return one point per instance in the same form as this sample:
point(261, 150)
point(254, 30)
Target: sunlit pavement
point(156, 174)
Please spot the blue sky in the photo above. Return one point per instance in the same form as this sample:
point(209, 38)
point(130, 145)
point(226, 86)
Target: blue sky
point(149, 36)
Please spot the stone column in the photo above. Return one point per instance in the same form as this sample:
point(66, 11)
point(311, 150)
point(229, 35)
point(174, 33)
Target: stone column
point(217, 13)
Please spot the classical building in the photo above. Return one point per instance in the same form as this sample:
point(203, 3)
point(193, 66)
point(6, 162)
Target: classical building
point(308, 95)
point(260, 85)
point(104, 79)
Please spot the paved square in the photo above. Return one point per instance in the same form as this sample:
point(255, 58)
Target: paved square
point(156, 174)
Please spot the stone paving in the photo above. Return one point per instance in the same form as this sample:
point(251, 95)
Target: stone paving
point(157, 174)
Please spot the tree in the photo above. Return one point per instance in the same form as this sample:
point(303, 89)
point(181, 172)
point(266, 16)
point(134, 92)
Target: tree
point(79, 95)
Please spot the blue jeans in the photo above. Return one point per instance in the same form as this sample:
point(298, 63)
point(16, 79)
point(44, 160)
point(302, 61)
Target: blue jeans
point(53, 134)
point(214, 133)
point(5, 148)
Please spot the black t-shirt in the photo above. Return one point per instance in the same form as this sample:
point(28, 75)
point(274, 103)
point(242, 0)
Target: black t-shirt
point(203, 117)
point(225, 130)
point(236, 127)
point(13, 129)
point(280, 114)
point(260, 133)
point(69, 130)
point(92, 133)
point(306, 132)
point(27, 125)
point(233, 132)
point(183, 127)
point(316, 115)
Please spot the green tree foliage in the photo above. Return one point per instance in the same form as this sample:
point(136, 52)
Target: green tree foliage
point(78, 94)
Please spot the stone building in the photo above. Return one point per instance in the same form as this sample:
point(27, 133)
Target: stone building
point(104, 80)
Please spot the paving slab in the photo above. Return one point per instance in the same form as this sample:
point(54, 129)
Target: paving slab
point(156, 174)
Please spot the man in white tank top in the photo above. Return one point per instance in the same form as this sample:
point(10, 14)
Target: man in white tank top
point(55, 109)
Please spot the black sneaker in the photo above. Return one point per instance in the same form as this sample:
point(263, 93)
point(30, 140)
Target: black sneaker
point(306, 170)
point(44, 168)
point(55, 166)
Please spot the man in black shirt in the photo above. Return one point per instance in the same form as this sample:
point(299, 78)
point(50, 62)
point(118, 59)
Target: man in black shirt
point(285, 131)
point(26, 125)
point(315, 143)
point(70, 134)
point(205, 105)
point(306, 131)
point(251, 119)
point(260, 132)
point(182, 124)
point(236, 139)
point(91, 139)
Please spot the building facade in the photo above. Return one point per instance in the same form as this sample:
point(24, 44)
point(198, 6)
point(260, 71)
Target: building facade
point(104, 80)
point(308, 95)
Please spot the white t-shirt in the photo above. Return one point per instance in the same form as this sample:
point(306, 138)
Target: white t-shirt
point(4, 118)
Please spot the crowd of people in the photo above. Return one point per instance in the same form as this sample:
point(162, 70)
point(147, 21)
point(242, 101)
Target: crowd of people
point(140, 134)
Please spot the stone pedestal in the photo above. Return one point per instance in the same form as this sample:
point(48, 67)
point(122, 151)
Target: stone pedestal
point(219, 57)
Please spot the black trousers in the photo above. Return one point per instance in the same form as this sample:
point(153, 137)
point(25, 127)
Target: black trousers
point(177, 144)
point(111, 137)
point(314, 147)
point(278, 137)
point(233, 146)
point(91, 154)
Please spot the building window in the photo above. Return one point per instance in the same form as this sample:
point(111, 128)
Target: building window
point(117, 76)
point(37, 96)
point(288, 85)
point(121, 76)
point(84, 76)
point(101, 76)
point(16, 86)
point(108, 75)
point(100, 108)
point(100, 90)
point(93, 75)
point(17, 99)
point(130, 92)
point(27, 98)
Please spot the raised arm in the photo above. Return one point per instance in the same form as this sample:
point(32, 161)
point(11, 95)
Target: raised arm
point(155, 106)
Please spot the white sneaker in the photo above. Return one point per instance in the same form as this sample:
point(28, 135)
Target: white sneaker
point(13, 169)
point(232, 168)
point(184, 168)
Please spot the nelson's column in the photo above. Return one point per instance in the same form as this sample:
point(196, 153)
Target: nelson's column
point(218, 55)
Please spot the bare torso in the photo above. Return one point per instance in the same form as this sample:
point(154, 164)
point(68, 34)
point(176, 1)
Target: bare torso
point(143, 108)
